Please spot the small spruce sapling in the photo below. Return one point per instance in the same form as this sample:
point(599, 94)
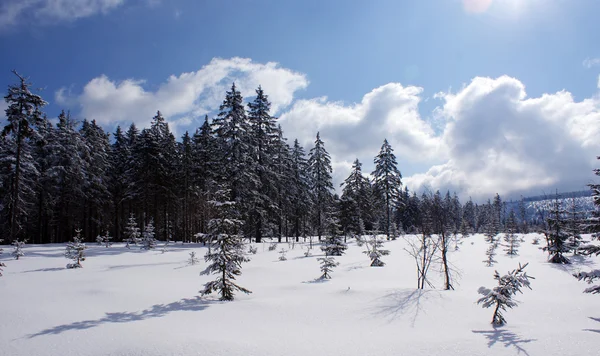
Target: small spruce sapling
point(536, 240)
point(252, 250)
point(501, 296)
point(272, 246)
point(374, 251)
point(75, 251)
point(132, 232)
point(490, 253)
point(590, 277)
point(18, 249)
point(512, 244)
point(148, 240)
point(327, 266)
point(193, 259)
point(282, 253)
point(104, 240)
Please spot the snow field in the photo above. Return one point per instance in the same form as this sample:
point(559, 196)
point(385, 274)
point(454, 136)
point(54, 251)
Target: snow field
point(135, 302)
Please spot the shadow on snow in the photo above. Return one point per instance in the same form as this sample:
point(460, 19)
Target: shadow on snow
point(401, 302)
point(594, 330)
point(155, 311)
point(506, 338)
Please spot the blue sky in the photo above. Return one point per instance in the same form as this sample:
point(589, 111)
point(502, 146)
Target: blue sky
point(415, 58)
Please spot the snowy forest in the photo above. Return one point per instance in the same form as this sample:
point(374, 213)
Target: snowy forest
point(57, 176)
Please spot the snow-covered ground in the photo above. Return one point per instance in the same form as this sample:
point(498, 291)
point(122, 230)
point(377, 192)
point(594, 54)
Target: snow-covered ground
point(132, 302)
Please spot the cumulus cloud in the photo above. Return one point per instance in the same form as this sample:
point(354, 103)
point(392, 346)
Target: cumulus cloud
point(183, 97)
point(498, 140)
point(358, 130)
point(13, 12)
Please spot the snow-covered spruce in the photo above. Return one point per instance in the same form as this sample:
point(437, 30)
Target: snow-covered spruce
point(282, 256)
point(148, 241)
point(193, 259)
point(75, 251)
point(252, 250)
point(227, 253)
point(375, 251)
point(18, 249)
point(490, 253)
point(273, 246)
point(589, 277)
point(132, 232)
point(501, 296)
point(556, 233)
point(327, 266)
point(104, 239)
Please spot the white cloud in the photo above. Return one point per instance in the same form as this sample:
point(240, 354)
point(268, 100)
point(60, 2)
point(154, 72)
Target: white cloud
point(591, 62)
point(13, 12)
point(498, 140)
point(358, 130)
point(186, 95)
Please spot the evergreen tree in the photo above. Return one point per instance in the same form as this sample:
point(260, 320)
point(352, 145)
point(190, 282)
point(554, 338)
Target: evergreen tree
point(75, 250)
point(355, 199)
point(148, 241)
point(18, 249)
point(573, 225)
point(193, 259)
point(470, 216)
point(387, 181)
point(300, 199)
point(132, 232)
point(119, 179)
point(501, 296)
point(321, 186)
point(22, 115)
point(327, 266)
point(375, 251)
point(556, 233)
point(227, 254)
point(510, 237)
point(105, 239)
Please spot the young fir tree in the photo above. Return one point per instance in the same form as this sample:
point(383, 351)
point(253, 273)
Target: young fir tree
point(490, 253)
point(148, 240)
point(227, 253)
point(501, 296)
point(512, 241)
point(105, 239)
point(18, 249)
point(327, 266)
point(132, 232)
point(355, 200)
point(319, 168)
point(334, 244)
point(193, 259)
point(19, 176)
point(375, 251)
point(282, 256)
point(590, 277)
point(300, 196)
point(387, 182)
point(75, 251)
point(556, 233)
point(573, 225)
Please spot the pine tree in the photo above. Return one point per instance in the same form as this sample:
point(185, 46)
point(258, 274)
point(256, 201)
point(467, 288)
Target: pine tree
point(490, 253)
point(18, 249)
point(105, 239)
point(355, 197)
point(334, 244)
point(501, 296)
point(573, 225)
point(387, 181)
point(205, 157)
point(75, 251)
point(327, 266)
point(148, 241)
point(22, 115)
point(193, 259)
point(375, 251)
point(119, 179)
point(556, 233)
point(300, 199)
point(321, 186)
point(227, 254)
point(590, 277)
point(510, 237)
point(470, 216)
point(132, 232)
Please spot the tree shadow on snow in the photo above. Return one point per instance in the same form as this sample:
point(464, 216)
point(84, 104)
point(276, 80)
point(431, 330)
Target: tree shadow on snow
point(140, 265)
point(506, 338)
point(594, 330)
point(402, 302)
point(155, 311)
point(45, 270)
point(316, 280)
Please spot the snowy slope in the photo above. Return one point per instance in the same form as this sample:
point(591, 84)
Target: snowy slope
point(146, 303)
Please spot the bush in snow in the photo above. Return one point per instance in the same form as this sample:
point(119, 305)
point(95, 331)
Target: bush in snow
point(501, 296)
point(193, 259)
point(75, 251)
point(18, 249)
point(590, 277)
point(327, 266)
point(374, 251)
point(272, 246)
point(227, 254)
point(104, 240)
point(132, 232)
point(282, 253)
point(490, 253)
point(536, 241)
point(148, 241)
point(252, 250)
